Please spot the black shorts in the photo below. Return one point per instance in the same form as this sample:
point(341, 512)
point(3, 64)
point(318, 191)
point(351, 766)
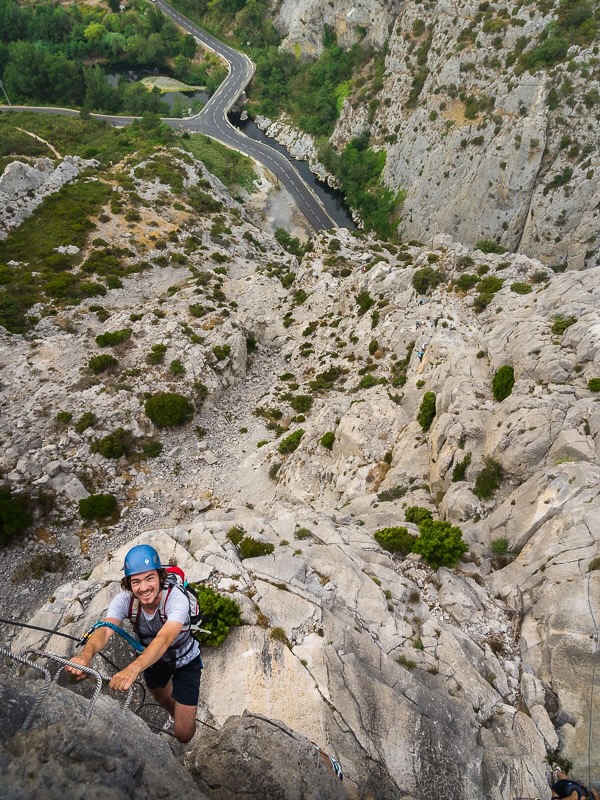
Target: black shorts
point(186, 679)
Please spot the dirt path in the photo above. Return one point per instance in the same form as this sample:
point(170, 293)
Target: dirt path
point(43, 141)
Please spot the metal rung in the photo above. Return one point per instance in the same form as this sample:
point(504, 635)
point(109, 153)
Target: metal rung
point(43, 692)
point(99, 677)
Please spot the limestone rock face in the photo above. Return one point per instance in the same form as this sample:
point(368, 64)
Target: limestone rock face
point(276, 762)
point(332, 392)
point(481, 148)
point(24, 186)
point(63, 751)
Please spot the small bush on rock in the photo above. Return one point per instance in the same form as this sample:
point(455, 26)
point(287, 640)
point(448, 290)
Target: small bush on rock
point(427, 411)
point(395, 539)
point(291, 442)
point(219, 614)
point(521, 288)
point(113, 445)
point(460, 468)
point(15, 517)
point(488, 480)
point(503, 382)
point(101, 363)
point(156, 354)
point(440, 543)
point(251, 548)
point(560, 324)
point(594, 384)
point(417, 514)
point(327, 440)
point(168, 410)
point(98, 506)
point(113, 338)
point(426, 279)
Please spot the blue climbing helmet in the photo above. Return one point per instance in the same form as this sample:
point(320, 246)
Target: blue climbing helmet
point(141, 558)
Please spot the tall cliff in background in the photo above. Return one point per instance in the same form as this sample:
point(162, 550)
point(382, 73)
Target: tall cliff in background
point(488, 113)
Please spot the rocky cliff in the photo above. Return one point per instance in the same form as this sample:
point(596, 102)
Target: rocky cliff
point(308, 377)
point(487, 112)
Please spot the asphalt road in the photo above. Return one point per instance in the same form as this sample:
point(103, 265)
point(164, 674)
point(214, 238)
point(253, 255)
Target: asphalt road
point(213, 121)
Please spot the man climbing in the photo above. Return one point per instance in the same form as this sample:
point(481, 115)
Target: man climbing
point(563, 786)
point(171, 660)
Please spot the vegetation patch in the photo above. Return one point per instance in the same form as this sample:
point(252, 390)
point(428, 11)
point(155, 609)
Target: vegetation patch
point(503, 382)
point(98, 506)
point(168, 409)
point(219, 614)
point(489, 479)
point(426, 412)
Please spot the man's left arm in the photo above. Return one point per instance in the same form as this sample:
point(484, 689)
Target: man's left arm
point(155, 650)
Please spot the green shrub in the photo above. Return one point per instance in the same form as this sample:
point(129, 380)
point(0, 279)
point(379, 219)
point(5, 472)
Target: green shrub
point(426, 279)
point(219, 614)
point(417, 514)
point(499, 546)
point(98, 506)
point(373, 347)
point(427, 411)
point(327, 439)
point(503, 382)
point(489, 479)
point(489, 246)
point(521, 288)
point(236, 534)
point(303, 533)
point(594, 564)
point(101, 363)
point(560, 324)
point(301, 403)
point(113, 338)
point(157, 354)
point(291, 442)
point(113, 445)
point(87, 419)
point(64, 417)
point(440, 543)
point(394, 493)
point(221, 351)
point(460, 468)
point(252, 548)
point(466, 281)
point(395, 540)
point(151, 448)
point(176, 367)
point(168, 410)
point(325, 381)
point(364, 301)
point(278, 635)
point(15, 517)
point(594, 384)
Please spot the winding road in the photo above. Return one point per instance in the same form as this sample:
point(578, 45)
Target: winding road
point(214, 122)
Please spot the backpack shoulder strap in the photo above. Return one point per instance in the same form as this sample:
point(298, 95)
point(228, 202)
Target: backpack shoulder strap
point(163, 602)
point(134, 610)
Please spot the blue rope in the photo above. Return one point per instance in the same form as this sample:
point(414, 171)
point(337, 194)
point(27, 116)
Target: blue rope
point(129, 639)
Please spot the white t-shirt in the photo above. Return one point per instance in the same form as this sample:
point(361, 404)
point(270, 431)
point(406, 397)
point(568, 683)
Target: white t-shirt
point(177, 609)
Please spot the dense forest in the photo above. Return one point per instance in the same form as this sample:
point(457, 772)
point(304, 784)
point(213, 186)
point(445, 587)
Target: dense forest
point(57, 55)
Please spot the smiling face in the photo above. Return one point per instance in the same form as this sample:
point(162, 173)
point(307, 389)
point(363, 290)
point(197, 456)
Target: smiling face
point(147, 588)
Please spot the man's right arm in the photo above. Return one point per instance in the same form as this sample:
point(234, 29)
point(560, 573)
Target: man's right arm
point(94, 645)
